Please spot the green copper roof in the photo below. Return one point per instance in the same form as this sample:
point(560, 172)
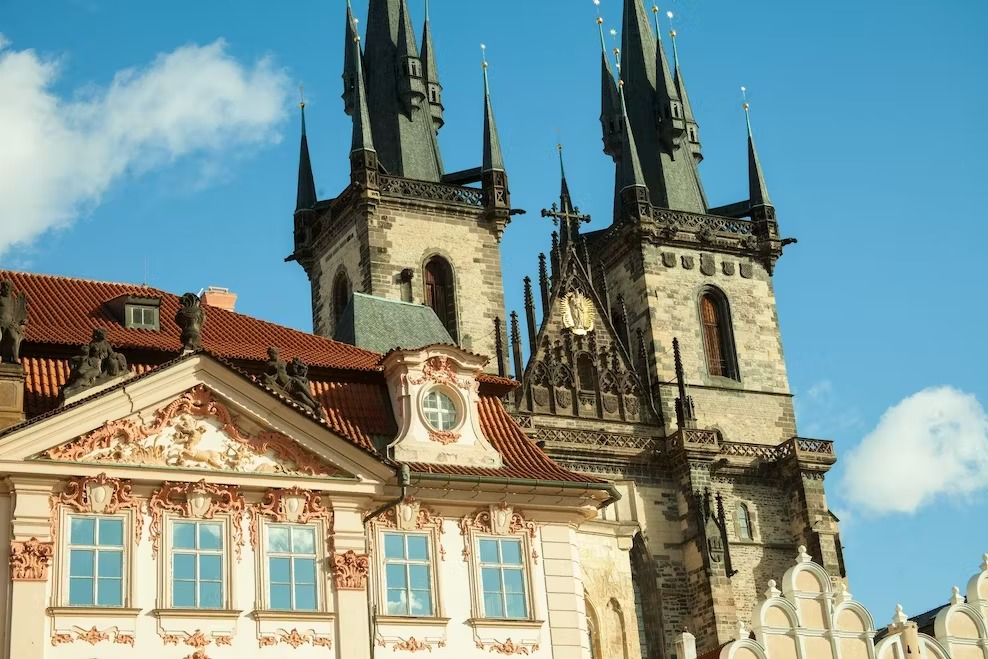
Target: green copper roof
point(378, 324)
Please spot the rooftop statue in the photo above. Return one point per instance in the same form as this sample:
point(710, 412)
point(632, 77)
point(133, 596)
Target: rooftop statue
point(95, 364)
point(13, 319)
point(190, 318)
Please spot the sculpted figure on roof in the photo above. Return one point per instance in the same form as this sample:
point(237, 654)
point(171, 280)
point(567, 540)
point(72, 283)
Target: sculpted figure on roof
point(190, 318)
point(13, 318)
point(298, 387)
point(95, 364)
point(275, 371)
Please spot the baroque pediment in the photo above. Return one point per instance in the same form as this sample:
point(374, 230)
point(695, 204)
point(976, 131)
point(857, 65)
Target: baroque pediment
point(195, 431)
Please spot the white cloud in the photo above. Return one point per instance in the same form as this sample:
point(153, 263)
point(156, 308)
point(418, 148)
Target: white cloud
point(60, 155)
point(931, 444)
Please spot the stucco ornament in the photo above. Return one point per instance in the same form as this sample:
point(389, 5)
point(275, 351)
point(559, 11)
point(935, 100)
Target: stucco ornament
point(350, 570)
point(200, 500)
point(98, 495)
point(29, 559)
point(293, 505)
point(577, 313)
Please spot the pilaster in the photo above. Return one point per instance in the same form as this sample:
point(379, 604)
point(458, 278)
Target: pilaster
point(351, 570)
point(564, 593)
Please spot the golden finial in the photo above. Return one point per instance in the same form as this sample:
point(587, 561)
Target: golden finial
point(301, 97)
point(672, 33)
point(746, 106)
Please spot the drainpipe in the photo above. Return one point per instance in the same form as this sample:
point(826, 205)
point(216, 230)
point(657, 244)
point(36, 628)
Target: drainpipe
point(613, 494)
point(404, 478)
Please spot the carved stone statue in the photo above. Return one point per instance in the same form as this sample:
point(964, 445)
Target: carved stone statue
point(275, 371)
point(298, 387)
point(13, 318)
point(95, 364)
point(190, 318)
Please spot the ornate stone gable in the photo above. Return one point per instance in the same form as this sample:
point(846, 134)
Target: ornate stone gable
point(195, 431)
point(581, 366)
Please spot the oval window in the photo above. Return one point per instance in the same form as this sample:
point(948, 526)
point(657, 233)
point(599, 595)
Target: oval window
point(440, 411)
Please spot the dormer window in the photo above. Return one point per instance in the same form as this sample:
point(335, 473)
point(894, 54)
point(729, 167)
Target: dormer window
point(141, 317)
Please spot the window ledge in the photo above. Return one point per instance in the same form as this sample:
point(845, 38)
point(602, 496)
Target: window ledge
point(505, 622)
point(93, 611)
point(411, 621)
point(221, 614)
point(265, 614)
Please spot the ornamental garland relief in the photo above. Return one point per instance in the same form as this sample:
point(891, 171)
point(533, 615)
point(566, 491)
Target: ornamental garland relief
point(195, 431)
point(294, 506)
point(200, 500)
point(98, 495)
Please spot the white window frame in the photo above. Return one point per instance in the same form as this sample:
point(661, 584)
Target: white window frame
point(476, 573)
point(433, 540)
point(61, 585)
point(165, 577)
point(264, 567)
point(453, 398)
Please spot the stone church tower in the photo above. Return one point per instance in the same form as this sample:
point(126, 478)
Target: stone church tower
point(654, 351)
point(404, 229)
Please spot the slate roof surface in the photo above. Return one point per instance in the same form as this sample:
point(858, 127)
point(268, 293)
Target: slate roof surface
point(377, 324)
point(347, 380)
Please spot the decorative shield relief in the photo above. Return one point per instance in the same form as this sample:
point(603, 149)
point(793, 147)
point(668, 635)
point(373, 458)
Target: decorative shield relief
point(577, 313)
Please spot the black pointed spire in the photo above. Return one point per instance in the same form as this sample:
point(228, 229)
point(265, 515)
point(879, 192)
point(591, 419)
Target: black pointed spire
point(565, 201)
point(758, 190)
point(692, 129)
point(349, 61)
point(610, 115)
point(516, 346)
point(544, 285)
point(530, 314)
point(631, 168)
point(362, 138)
point(499, 348)
point(306, 182)
point(434, 88)
point(492, 144)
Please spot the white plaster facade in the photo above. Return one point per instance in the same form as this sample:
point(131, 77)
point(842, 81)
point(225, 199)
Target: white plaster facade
point(196, 442)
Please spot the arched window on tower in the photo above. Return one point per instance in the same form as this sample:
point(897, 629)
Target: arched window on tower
point(341, 295)
point(744, 522)
point(440, 293)
point(585, 372)
point(718, 337)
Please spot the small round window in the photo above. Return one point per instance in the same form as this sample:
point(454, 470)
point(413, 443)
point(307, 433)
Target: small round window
point(439, 411)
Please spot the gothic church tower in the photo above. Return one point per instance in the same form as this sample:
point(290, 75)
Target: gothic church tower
point(405, 229)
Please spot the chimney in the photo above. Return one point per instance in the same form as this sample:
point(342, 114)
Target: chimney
point(220, 298)
point(11, 394)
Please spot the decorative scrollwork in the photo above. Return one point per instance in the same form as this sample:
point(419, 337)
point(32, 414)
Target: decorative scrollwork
point(412, 644)
point(100, 495)
point(411, 515)
point(444, 437)
point(200, 500)
point(93, 636)
point(293, 505)
point(29, 559)
point(294, 638)
point(350, 570)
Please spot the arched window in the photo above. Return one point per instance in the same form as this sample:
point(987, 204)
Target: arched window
point(439, 292)
point(718, 338)
point(744, 523)
point(593, 631)
point(640, 617)
point(585, 372)
point(341, 295)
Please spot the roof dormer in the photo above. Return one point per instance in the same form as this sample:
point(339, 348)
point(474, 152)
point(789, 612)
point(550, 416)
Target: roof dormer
point(434, 393)
point(136, 311)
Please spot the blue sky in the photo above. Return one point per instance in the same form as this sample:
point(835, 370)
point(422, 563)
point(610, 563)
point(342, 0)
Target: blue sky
point(157, 149)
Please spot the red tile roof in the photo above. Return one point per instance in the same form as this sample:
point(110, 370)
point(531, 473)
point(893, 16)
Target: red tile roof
point(63, 313)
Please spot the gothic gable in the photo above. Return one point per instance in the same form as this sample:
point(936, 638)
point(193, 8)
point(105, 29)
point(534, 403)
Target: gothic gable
point(194, 431)
point(580, 366)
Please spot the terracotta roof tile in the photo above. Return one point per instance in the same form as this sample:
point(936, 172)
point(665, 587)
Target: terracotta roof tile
point(64, 311)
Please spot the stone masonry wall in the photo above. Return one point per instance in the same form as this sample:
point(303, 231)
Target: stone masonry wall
point(342, 255)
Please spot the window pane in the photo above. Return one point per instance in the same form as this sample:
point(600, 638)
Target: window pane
point(511, 552)
point(210, 536)
point(394, 545)
point(210, 595)
point(111, 532)
point(183, 566)
point(418, 548)
point(488, 551)
point(396, 602)
point(305, 571)
point(421, 603)
point(304, 540)
point(83, 531)
point(211, 567)
point(184, 535)
point(305, 597)
point(279, 539)
point(80, 592)
point(110, 592)
point(183, 594)
point(493, 607)
point(396, 576)
point(281, 597)
point(110, 564)
point(418, 577)
point(81, 563)
point(513, 581)
point(491, 578)
point(517, 607)
point(280, 570)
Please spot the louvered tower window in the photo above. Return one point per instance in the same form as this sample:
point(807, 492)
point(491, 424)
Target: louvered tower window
point(718, 338)
point(439, 292)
